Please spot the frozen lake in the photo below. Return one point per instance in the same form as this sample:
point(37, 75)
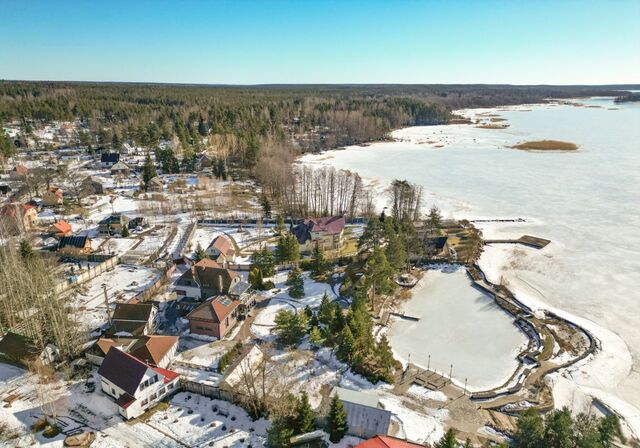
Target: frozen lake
point(586, 202)
point(458, 325)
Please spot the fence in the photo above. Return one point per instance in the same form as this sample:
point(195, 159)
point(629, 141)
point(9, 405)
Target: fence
point(151, 290)
point(91, 273)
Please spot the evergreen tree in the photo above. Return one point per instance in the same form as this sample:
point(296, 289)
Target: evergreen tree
point(315, 337)
point(148, 171)
point(221, 169)
point(448, 440)
point(125, 231)
point(263, 260)
point(346, 345)
point(530, 432)
point(26, 251)
point(305, 417)
point(290, 327)
point(386, 361)
point(266, 206)
point(279, 228)
point(337, 420)
point(372, 236)
point(395, 251)
point(559, 431)
point(295, 283)
point(116, 141)
point(377, 275)
point(434, 220)
point(279, 434)
point(318, 262)
point(199, 254)
point(255, 278)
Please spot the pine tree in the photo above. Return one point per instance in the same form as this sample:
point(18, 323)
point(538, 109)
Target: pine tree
point(530, 432)
point(305, 417)
point(199, 254)
point(386, 361)
point(318, 262)
point(263, 260)
point(148, 171)
point(279, 434)
point(448, 440)
point(377, 274)
point(434, 220)
point(255, 278)
point(290, 327)
point(295, 283)
point(315, 337)
point(125, 231)
point(346, 344)
point(266, 206)
point(279, 228)
point(337, 420)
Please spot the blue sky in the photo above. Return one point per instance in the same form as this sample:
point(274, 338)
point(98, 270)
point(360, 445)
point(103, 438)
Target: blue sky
point(251, 42)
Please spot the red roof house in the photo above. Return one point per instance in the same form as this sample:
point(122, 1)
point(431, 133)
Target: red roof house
point(387, 442)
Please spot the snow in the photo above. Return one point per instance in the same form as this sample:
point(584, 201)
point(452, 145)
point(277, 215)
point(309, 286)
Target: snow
point(423, 392)
point(416, 426)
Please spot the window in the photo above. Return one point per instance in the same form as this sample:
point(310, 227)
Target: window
point(153, 397)
point(171, 386)
point(144, 402)
point(161, 391)
point(113, 391)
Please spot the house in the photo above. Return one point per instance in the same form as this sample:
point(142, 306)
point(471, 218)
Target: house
point(133, 319)
point(155, 185)
point(221, 250)
point(203, 162)
point(120, 169)
point(18, 217)
point(326, 232)
point(18, 172)
point(112, 224)
point(108, 159)
point(18, 349)
point(365, 416)
point(387, 442)
point(154, 350)
point(60, 228)
point(438, 247)
point(134, 385)
point(53, 196)
point(214, 317)
point(74, 245)
point(92, 185)
point(207, 278)
point(138, 221)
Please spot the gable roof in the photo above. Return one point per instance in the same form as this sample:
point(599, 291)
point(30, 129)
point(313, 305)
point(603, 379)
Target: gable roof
point(331, 225)
point(123, 370)
point(368, 399)
point(126, 328)
point(214, 310)
point(156, 180)
point(387, 442)
point(210, 274)
point(223, 244)
point(139, 312)
point(120, 166)
point(20, 169)
point(73, 241)
point(115, 218)
point(62, 226)
point(151, 349)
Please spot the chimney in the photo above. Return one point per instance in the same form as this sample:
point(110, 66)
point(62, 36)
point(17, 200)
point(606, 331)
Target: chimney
point(220, 283)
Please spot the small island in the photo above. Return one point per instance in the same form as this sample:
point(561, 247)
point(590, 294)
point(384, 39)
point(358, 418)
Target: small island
point(546, 145)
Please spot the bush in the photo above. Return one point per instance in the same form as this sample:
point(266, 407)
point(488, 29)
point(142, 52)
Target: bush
point(229, 357)
point(51, 431)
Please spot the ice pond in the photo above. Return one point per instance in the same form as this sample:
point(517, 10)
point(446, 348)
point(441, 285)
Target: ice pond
point(586, 201)
point(458, 325)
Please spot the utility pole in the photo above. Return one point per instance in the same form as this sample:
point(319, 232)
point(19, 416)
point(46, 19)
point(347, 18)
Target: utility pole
point(106, 301)
point(450, 372)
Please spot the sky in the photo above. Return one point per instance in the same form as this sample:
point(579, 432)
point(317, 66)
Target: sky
point(298, 41)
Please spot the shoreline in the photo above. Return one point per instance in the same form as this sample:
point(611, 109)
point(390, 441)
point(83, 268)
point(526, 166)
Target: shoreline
point(612, 356)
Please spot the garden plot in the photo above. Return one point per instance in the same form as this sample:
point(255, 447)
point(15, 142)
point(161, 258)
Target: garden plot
point(118, 246)
point(198, 421)
point(123, 282)
point(264, 322)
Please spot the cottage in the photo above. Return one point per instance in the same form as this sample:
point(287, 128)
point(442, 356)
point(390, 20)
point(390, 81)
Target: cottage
point(155, 185)
point(16, 218)
point(113, 224)
point(133, 319)
point(134, 385)
point(92, 185)
point(326, 232)
point(221, 250)
point(215, 317)
point(18, 349)
point(207, 278)
point(53, 196)
point(108, 159)
point(154, 350)
point(120, 169)
point(387, 442)
point(365, 416)
point(74, 245)
point(60, 228)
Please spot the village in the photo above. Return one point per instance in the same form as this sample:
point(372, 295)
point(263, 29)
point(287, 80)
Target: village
point(203, 315)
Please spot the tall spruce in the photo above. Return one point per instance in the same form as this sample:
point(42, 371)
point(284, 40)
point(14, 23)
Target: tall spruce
point(305, 417)
point(337, 420)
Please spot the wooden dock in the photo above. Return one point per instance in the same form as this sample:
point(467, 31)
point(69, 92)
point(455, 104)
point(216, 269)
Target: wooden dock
point(404, 316)
point(526, 240)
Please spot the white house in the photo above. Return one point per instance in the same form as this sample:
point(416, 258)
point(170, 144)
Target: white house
point(221, 250)
point(134, 385)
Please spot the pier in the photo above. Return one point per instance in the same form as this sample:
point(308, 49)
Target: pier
point(526, 240)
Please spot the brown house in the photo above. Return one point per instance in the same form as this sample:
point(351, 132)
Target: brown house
point(53, 196)
point(71, 245)
point(214, 317)
point(60, 229)
point(18, 217)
